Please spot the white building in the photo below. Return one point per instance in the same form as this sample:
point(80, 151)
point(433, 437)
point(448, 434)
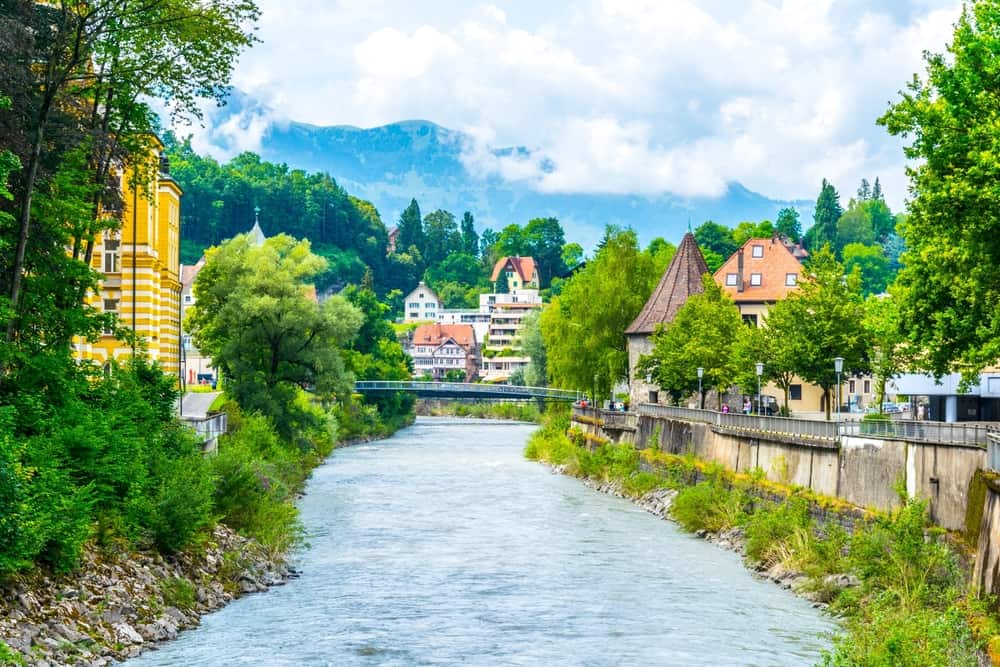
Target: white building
point(438, 349)
point(477, 319)
point(421, 305)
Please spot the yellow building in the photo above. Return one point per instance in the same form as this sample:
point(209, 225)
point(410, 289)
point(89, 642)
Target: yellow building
point(140, 265)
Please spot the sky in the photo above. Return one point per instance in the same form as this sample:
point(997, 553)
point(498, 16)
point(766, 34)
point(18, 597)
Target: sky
point(610, 96)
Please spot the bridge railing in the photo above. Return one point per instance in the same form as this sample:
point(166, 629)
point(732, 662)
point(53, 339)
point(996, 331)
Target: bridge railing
point(470, 388)
point(915, 431)
point(993, 449)
point(208, 428)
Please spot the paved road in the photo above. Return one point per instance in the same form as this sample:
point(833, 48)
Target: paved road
point(196, 405)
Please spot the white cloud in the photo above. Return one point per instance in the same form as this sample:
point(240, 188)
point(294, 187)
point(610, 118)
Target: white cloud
point(636, 96)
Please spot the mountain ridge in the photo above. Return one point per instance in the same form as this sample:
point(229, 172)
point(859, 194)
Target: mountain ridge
point(420, 159)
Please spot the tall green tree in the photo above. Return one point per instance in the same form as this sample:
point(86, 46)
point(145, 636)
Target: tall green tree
point(820, 321)
point(584, 327)
point(701, 335)
point(470, 240)
point(441, 236)
point(828, 212)
point(950, 288)
point(891, 353)
point(255, 319)
point(411, 229)
point(788, 224)
point(533, 345)
point(545, 241)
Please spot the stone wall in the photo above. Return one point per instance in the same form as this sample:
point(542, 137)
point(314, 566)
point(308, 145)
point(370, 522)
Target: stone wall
point(863, 471)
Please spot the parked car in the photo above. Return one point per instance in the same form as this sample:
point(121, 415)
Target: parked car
point(768, 406)
point(890, 408)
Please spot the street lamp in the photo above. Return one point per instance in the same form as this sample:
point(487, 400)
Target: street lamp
point(701, 396)
point(838, 366)
point(760, 371)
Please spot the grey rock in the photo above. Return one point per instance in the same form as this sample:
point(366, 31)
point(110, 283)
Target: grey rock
point(126, 634)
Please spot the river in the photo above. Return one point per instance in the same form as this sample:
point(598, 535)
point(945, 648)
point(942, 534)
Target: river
point(443, 546)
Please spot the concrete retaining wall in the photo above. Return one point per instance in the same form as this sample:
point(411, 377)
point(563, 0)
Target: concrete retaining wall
point(862, 471)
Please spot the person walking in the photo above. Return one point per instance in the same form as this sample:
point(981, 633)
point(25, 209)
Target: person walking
point(747, 406)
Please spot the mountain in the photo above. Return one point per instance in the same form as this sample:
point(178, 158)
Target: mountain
point(391, 164)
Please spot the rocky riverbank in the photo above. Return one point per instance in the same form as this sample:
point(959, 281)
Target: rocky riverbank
point(658, 502)
point(120, 603)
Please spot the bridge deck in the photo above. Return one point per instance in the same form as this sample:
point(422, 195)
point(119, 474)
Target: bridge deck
point(465, 390)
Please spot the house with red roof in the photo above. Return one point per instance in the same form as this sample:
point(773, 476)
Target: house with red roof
point(439, 348)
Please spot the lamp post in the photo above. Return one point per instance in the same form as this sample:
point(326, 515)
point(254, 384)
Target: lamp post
point(701, 396)
point(760, 371)
point(838, 366)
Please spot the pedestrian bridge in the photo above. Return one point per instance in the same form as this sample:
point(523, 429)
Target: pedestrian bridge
point(494, 392)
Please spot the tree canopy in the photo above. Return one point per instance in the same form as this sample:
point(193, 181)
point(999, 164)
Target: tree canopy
point(949, 287)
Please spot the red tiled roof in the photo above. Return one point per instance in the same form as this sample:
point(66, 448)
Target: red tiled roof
point(681, 280)
point(524, 267)
point(190, 271)
point(774, 264)
point(437, 333)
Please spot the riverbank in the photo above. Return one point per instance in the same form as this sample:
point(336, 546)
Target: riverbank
point(898, 584)
point(120, 600)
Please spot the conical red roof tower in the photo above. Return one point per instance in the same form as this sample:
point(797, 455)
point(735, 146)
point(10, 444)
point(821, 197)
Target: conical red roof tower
point(681, 279)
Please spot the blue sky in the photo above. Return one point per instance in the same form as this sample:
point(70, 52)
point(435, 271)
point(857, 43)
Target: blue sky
point(622, 96)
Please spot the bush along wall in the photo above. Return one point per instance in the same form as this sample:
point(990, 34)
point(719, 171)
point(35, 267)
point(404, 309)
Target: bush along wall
point(897, 583)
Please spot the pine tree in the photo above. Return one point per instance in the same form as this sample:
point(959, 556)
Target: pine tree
point(411, 229)
point(865, 190)
point(828, 212)
point(877, 191)
point(470, 240)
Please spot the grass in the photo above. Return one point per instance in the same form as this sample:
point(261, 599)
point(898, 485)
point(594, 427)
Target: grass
point(520, 411)
point(912, 605)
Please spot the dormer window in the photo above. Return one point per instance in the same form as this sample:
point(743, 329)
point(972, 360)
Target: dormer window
point(758, 251)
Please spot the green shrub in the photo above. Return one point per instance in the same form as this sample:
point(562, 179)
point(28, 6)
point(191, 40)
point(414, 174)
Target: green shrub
point(771, 525)
point(9, 657)
point(178, 592)
point(707, 506)
point(181, 502)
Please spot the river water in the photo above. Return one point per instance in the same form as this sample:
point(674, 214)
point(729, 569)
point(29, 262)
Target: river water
point(443, 546)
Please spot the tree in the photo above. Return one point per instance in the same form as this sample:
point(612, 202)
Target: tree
point(411, 229)
point(661, 252)
point(92, 68)
point(545, 239)
point(788, 224)
point(456, 268)
point(890, 353)
point(584, 327)
point(821, 321)
point(470, 240)
point(763, 345)
point(441, 236)
point(572, 256)
point(828, 212)
point(268, 339)
point(375, 353)
point(854, 226)
point(864, 190)
point(877, 191)
point(949, 286)
point(747, 230)
point(716, 238)
point(533, 346)
point(872, 266)
point(700, 335)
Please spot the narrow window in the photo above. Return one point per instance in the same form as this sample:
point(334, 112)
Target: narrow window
point(850, 387)
point(795, 392)
point(868, 386)
point(112, 255)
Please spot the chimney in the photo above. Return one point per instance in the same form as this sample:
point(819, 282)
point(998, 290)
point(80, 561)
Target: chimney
point(739, 270)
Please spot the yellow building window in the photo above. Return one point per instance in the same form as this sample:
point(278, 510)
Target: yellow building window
point(112, 255)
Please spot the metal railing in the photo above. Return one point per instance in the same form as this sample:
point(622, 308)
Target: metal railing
point(916, 431)
point(993, 448)
point(797, 428)
point(919, 431)
point(467, 388)
point(669, 411)
point(210, 426)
